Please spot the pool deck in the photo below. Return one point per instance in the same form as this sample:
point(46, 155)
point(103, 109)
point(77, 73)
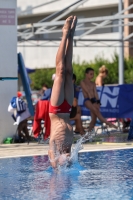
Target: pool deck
point(23, 149)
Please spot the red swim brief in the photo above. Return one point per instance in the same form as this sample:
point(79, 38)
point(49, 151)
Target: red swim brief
point(63, 108)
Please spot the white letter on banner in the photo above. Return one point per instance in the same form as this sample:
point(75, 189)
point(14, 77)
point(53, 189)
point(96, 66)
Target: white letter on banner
point(99, 90)
point(110, 96)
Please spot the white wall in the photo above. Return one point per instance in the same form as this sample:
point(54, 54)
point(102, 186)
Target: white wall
point(40, 57)
point(24, 5)
point(8, 64)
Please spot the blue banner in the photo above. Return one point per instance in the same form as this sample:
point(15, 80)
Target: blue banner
point(117, 101)
point(25, 81)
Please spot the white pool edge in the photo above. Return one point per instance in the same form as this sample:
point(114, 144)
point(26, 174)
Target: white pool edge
point(81, 151)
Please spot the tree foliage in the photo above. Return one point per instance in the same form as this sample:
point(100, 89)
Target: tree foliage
point(41, 76)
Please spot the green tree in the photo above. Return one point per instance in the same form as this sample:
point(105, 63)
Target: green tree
point(128, 70)
point(42, 76)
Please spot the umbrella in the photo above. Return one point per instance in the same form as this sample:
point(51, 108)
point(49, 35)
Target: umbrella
point(28, 70)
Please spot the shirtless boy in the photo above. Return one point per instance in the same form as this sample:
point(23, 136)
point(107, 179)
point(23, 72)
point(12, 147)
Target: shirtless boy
point(61, 136)
point(91, 99)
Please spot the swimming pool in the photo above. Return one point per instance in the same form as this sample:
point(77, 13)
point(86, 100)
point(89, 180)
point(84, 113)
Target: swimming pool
point(103, 175)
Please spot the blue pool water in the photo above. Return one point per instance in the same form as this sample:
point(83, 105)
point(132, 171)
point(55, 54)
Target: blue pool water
point(104, 175)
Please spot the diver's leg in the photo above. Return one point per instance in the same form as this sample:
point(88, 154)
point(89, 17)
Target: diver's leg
point(78, 123)
point(57, 96)
point(93, 121)
point(69, 89)
point(96, 111)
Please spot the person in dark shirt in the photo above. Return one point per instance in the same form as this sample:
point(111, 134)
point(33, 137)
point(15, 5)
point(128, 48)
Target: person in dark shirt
point(47, 91)
point(47, 94)
point(76, 114)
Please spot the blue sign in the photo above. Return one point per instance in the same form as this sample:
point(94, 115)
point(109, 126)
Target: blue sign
point(116, 101)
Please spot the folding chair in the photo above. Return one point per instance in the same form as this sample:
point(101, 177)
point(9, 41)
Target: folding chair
point(30, 127)
point(101, 126)
point(42, 132)
point(115, 120)
point(85, 121)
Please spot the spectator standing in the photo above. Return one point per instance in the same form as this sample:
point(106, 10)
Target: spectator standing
point(103, 72)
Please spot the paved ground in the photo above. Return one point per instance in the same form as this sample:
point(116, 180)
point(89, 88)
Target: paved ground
point(114, 140)
point(23, 149)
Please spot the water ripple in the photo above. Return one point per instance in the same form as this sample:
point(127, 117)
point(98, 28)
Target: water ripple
point(104, 175)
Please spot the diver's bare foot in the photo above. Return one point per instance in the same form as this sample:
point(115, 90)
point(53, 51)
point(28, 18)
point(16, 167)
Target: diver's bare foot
point(112, 125)
point(82, 133)
point(67, 26)
point(73, 26)
point(86, 135)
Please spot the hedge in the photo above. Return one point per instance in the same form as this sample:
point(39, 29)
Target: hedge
point(41, 76)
